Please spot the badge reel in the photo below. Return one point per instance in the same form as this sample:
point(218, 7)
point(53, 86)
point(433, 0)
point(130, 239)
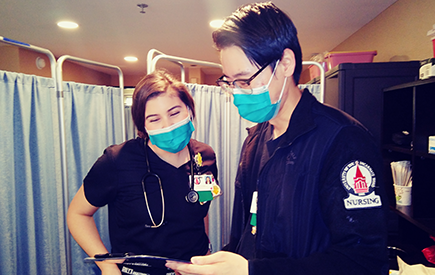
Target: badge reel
point(192, 196)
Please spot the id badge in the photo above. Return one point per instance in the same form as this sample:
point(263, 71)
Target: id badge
point(206, 186)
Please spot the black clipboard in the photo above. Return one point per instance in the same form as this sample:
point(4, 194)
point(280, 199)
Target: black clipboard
point(136, 260)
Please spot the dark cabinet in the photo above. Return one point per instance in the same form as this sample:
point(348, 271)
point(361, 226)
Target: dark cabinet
point(388, 99)
point(357, 88)
point(410, 107)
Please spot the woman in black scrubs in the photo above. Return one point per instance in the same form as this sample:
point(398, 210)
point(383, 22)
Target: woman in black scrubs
point(154, 206)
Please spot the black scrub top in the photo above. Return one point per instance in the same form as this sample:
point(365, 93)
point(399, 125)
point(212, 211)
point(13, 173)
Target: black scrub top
point(116, 180)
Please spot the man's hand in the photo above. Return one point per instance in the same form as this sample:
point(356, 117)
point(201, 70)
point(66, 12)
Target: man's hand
point(218, 263)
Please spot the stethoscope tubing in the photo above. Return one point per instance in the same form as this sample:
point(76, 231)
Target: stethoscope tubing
point(191, 197)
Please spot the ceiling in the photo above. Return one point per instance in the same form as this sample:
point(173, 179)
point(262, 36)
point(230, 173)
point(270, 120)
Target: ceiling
point(109, 30)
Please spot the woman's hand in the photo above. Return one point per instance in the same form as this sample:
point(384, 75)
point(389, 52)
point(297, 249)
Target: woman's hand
point(218, 263)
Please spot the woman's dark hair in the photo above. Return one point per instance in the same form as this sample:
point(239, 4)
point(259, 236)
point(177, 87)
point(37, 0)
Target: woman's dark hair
point(263, 32)
point(152, 85)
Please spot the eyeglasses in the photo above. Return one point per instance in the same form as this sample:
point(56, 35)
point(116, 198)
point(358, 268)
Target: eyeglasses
point(245, 84)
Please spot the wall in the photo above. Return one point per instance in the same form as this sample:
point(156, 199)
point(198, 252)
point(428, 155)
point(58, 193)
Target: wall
point(129, 80)
point(16, 59)
point(398, 34)
point(198, 75)
point(210, 79)
point(9, 58)
point(195, 75)
point(80, 73)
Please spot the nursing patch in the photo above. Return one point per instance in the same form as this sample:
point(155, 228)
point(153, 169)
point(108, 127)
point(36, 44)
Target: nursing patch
point(359, 180)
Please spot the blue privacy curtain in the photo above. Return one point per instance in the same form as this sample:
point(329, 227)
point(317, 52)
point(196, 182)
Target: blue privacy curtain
point(32, 231)
point(93, 121)
point(130, 128)
point(219, 125)
point(31, 218)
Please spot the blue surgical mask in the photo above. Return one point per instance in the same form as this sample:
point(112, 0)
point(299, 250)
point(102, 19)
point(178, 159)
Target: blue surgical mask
point(256, 106)
point(173, 138)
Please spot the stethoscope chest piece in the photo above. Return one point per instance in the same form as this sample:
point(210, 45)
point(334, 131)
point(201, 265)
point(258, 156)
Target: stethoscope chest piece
point(192, 196)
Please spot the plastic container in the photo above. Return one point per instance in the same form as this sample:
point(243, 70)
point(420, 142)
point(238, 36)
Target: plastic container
point(335, 58)
point(431, 33)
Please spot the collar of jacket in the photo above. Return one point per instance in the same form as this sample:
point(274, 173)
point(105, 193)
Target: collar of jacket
point(301, 121)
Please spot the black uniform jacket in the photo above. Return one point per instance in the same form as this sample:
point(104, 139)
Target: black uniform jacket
point(311, 217)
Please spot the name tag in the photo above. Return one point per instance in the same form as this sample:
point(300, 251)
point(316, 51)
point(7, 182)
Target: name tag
point(206, 186)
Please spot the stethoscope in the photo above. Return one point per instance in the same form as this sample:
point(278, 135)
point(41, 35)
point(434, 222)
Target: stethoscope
point(191, 197)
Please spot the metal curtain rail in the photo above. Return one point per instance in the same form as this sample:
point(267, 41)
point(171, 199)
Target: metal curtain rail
point(59, 86)
point(154, 52)
point(152, 61)
point(155, 55)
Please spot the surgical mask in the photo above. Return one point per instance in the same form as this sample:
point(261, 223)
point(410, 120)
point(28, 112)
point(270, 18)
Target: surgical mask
point(256, 106)
point(173, 138)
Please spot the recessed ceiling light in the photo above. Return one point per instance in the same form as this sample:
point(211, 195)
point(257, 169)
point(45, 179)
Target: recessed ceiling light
point(216, 23)
point(130, 58)
point(68, 24)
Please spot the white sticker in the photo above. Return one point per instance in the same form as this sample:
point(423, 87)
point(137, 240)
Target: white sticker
point(203, 182)
point(359, 181)
point(254, 202)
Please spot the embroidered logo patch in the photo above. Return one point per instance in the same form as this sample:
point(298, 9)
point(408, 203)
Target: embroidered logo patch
point(359, 180)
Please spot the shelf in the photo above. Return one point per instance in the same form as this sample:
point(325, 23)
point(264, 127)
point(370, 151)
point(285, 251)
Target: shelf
point(407, 151)
point(411, 84)
point(409, 107)
point(425, 155)
point(428, 225)
point(397, 148)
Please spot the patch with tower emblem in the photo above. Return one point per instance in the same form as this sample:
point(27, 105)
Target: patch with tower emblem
point(359, 181)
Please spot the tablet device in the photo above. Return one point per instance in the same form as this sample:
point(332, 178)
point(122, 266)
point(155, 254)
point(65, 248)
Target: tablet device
point(137, 260)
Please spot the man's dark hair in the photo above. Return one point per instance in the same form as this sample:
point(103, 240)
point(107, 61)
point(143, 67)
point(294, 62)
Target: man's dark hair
point(262, 31)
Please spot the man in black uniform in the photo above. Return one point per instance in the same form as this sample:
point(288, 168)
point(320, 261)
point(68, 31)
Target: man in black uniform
point(309, 197)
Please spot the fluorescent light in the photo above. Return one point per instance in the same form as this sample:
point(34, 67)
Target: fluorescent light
point(216, 23)
point(68, 24)
point(130, 58)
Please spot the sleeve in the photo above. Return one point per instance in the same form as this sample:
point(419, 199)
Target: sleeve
point(100, 183)
point(357, 236)
point(239, 218)
point(237, 223)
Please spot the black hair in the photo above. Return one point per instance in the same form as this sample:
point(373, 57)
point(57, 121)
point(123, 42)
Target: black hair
point(263, 32)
